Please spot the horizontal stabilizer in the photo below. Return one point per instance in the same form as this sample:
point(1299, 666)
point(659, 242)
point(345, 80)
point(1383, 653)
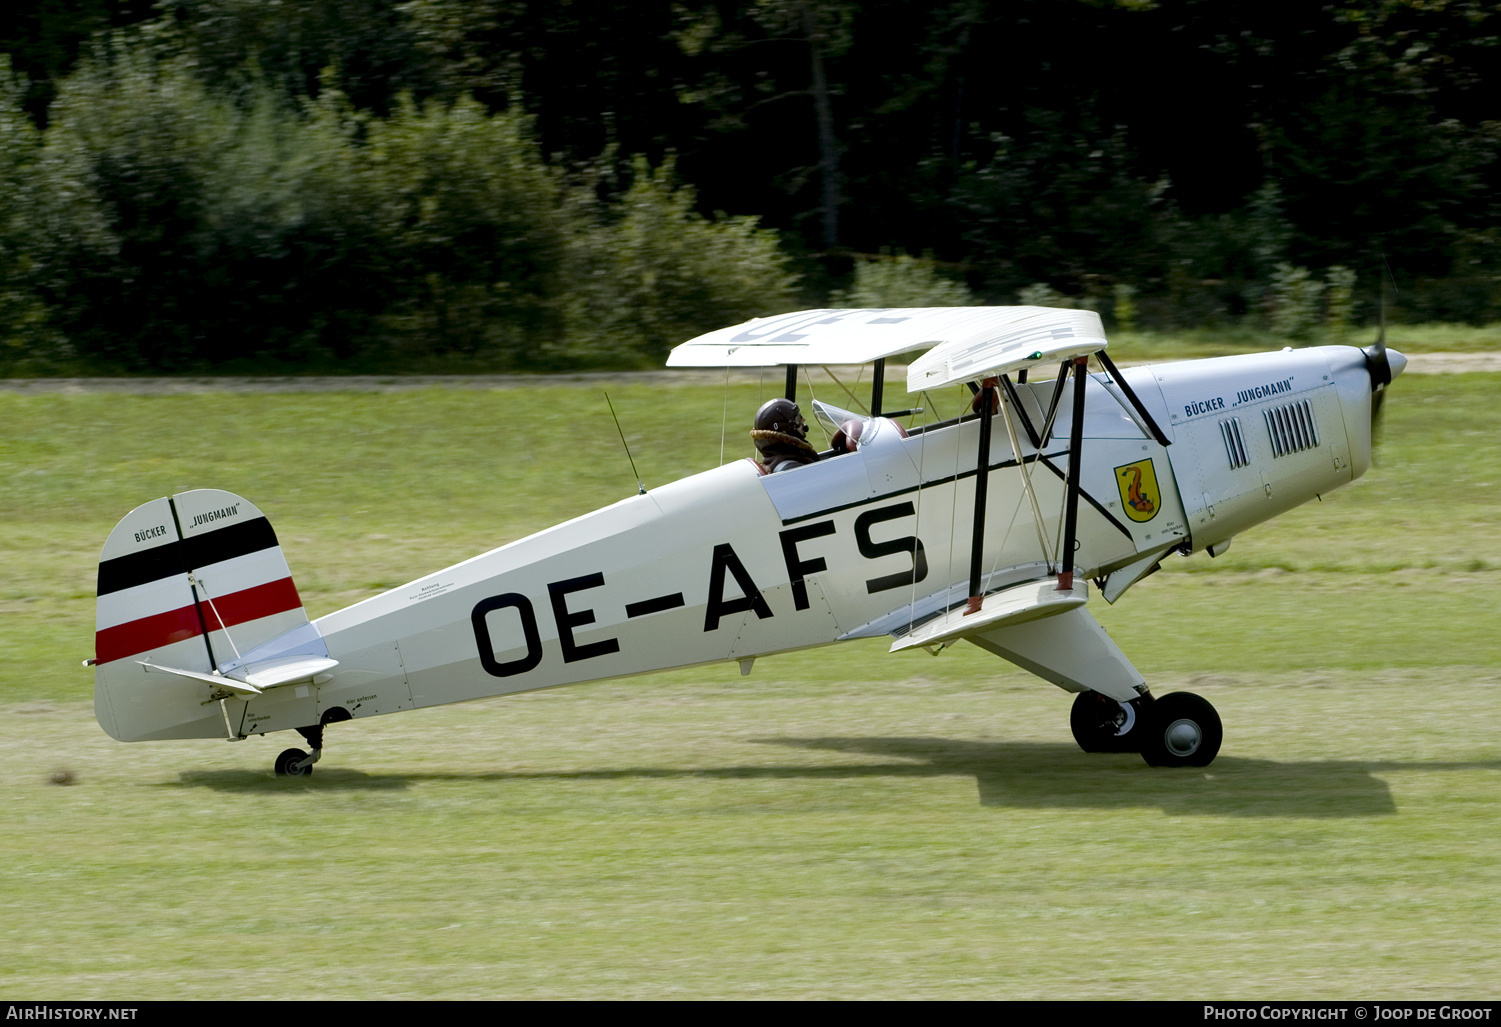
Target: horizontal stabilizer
point(288, 671)
point(240, 688)
point(1018, 604)
point(256, 678)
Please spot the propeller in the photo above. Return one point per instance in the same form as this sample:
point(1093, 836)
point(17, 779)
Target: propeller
point(1379, 364)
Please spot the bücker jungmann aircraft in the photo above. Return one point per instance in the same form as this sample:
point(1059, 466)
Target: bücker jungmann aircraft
point(987, 527)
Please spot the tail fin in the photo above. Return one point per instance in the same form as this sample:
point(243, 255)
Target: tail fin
point(189, 582)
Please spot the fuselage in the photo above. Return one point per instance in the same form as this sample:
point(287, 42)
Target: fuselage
point(734, 564)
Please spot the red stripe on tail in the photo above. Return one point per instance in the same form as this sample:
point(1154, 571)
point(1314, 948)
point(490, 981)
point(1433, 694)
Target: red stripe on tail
point(148, 633)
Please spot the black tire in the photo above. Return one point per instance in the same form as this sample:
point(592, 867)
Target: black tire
point(1100, 724)
point(1180, 730)
point(286, 764)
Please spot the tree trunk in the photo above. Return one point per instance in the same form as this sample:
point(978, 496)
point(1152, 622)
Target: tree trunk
point(828, 149)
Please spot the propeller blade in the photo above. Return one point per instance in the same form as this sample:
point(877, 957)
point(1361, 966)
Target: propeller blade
point(1377, 361)
point(1376, 429)
point(1379, 364)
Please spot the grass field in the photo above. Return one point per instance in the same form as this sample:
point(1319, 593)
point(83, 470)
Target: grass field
point(843, 823)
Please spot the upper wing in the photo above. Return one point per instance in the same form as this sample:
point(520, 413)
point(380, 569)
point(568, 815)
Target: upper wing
point(832, 336)
point(966, 343)
point(1018, 337)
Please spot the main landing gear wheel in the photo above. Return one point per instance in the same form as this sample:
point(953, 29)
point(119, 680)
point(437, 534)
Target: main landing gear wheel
point(290, 764)
point(1180, 730)
point(1100, 724)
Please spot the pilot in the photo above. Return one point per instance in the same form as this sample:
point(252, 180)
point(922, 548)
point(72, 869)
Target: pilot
point(781, 437)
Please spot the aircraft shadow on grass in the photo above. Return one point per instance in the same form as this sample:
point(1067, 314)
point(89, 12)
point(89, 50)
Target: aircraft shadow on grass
point(1017, 775)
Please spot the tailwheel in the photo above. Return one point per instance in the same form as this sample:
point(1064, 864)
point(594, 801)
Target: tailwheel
point(293, 763)
point(1101, 724)
point(1180, 730)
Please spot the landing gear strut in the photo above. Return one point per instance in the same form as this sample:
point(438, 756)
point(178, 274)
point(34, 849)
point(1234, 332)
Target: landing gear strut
point(295, 762)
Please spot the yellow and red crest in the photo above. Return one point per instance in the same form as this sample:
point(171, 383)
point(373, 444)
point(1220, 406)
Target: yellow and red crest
point(1140, 496)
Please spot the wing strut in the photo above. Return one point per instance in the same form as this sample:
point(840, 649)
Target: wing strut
point(984, 401)
point(877, 389)
point(1075, 459)
point(1014, 401)
point(1046, 434)
point(1119, 379)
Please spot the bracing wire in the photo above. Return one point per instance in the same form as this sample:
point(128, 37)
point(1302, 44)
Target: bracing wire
point(808, 378)
point(1016, 509)
point(194, 581)
point(847, 392)
point(1021, 464)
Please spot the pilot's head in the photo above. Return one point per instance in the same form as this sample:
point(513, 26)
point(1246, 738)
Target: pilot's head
point(780, 428)
point(781, 415)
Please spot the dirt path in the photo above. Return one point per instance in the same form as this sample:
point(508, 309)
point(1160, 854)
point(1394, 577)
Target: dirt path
point(359, 382)
point(1452, 363)
point(1420, 363)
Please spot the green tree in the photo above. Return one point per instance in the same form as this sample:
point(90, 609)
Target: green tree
point(247, 44)
point(653, 272)
point(1063, 205)
point(125, 167)
point(477, 228)
point(27, 340)
point(186, 229)
point(45, 39)
point(901, 281)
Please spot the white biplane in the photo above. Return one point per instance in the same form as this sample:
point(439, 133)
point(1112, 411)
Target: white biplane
point(987, 527)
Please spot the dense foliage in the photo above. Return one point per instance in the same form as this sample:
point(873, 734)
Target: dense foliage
point(190, 183)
